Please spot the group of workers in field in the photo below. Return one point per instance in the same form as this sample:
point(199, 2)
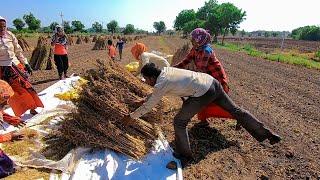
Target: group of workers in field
point(203, 91)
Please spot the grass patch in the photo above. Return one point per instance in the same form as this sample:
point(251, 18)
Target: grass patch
point(290, 58)
point(317, 54)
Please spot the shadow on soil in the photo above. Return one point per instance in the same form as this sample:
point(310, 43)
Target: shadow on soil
point(45, 81)
point(204, 140)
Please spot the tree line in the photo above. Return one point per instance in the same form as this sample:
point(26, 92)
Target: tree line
point(34, 25)
point(217, 18)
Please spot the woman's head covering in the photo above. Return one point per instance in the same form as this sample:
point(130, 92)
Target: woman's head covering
point(201, 36)
point(5, 91)
point(58, 29)
point(2, 33)
point(138, 49)
point(3, 19)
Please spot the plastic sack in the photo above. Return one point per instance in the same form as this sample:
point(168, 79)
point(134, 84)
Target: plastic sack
point(132, 67)
point(68, 96)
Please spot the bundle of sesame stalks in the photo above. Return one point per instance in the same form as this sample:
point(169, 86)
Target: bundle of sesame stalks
point(111, 93)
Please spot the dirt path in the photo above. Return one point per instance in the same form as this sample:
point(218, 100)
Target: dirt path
point(285, 97)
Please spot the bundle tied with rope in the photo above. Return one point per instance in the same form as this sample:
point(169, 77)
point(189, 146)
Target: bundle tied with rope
point(110, 93)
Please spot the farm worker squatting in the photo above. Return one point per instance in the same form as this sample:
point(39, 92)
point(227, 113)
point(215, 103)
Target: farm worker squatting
point(201, 89)
point(59, 41)
point(206, 61)
point(25, 97)
point(7, 166)
point(139, 51)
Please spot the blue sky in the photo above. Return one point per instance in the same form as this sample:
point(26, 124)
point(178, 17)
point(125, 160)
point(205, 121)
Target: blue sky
point(261, 14)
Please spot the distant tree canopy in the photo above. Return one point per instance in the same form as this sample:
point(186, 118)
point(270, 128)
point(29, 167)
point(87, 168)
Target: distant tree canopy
point(159, 26)
point(32, 22)
point(217, 18)
point(310, 33)
point(97, 27)
point(67, 27)
point(77, 26)
point(19, 24)
point(112, 26)
point(129, 29)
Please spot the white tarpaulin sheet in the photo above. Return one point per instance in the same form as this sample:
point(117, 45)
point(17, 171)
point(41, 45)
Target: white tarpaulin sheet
point(103, 164)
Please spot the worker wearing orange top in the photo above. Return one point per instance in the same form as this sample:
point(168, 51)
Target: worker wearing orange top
point(25, 97)
point(111, 50)
point(59, 41)
point(206, 61)
point(7, 166)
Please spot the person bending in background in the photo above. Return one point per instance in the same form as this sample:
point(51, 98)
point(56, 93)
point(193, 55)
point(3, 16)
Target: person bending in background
point(139, 51)
point(200, 89)
point(206, 61)
point(59, 42)
point(111, 50)
point(120, 45)
point(25, 97)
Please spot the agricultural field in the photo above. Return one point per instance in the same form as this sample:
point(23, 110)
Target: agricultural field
point(272, 44)
point(285, 97)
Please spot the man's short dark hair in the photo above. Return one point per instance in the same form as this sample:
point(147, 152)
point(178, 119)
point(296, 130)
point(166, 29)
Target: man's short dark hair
point(109, 42)
point(150, 70)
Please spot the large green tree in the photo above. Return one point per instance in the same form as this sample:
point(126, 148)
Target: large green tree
point(159, 26)
point(129, 29)
point(112, 26)
point(204, 11)
point(53, 25)
point(208, 13)
point(229, 17)
point(32, 22)
point(191, 25)
point(217, 18)
point(97, 27)
point(19, 24)
point(184, 17)
point(77, 25)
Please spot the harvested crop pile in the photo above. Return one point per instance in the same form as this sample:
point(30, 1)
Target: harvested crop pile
point(87, 39)
point(109, 95)
point(23, 43)
point(180, 54)
point(100, 44)
point(79, 40)
point(29, 174)
point(70, 40)
point(21, 148)
point(41, 55)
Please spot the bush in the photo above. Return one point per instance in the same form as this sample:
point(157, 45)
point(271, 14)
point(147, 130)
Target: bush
point(317, 54)
point(309, 33)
